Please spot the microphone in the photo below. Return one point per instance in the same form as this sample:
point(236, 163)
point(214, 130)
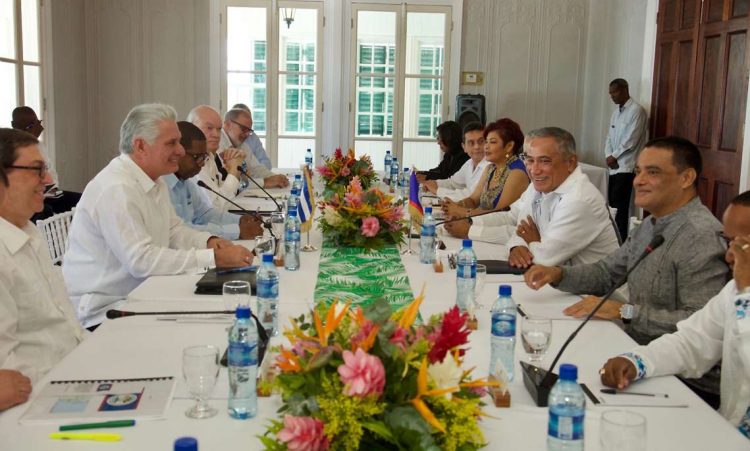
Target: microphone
point(538, 381)
point(470, 216)
point(114, 314)
point(243, 172)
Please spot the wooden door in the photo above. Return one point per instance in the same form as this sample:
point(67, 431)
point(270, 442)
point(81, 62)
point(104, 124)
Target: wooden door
point(700, 87)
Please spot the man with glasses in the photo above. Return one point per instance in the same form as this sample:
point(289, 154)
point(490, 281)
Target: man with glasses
point(38, 326)
point(253, 142)
point(461, 184)
point(238, 126)
point(125, 228)
point(220, 172)
point(674, 281)
point(561, 217)
point(55, 199)
point(190, 201)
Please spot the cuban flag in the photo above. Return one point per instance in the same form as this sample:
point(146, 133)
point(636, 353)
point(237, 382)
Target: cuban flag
point(415, 206)
point(306, 206)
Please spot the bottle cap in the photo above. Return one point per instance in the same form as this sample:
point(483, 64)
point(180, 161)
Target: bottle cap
point(186, 444)
point(568, 372)
point(298, 176)
point(268, 258)
point(466, 244)
point(292, 213)
point(295, 192)
point(406, 169)
point(387, 151)
point(242, 312)
point(428, 210)
point(505, 290)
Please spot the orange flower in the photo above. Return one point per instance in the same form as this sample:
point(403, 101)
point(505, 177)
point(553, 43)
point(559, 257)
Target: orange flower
point(288, 361)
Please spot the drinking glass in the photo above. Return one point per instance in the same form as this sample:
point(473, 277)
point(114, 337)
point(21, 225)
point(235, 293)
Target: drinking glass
point(264, 245)
point(236, 292)
point(479, 285)
point(200, 368)
point(622, 430)
point(536, 334)
point(277, 226)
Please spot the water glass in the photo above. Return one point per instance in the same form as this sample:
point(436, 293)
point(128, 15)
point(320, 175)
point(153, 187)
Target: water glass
point(536, 334)
point(479, 284)
point(200, 368)
point(236, 292)
point(277, 226)
point(622, 430)
point(264, 245)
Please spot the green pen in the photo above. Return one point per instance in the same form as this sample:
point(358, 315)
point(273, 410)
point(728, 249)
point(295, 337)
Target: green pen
point(104, 424)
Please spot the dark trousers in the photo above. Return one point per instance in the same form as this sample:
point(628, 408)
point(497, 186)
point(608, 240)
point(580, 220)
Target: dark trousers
point(620, 187)
point(54, 205)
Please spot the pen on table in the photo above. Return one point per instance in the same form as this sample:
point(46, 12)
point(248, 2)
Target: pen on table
point(234, 270)
point(103, 424)
point(521, 311)
point(94, 436)
point(612, 391)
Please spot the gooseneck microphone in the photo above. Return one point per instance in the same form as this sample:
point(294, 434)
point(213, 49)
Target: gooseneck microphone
point(461, 218)
point(114, 314)
point(538, 381)
point(266, 225)
point(243, 172)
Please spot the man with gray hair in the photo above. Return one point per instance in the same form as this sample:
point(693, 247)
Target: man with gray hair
point(253, 141)
point(125, 228)
point(561, 217)
point(238, 127)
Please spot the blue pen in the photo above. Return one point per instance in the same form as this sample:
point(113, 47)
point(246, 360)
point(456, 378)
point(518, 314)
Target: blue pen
point(234, 270)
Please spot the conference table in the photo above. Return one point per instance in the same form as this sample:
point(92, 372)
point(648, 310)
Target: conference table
point(148, 346)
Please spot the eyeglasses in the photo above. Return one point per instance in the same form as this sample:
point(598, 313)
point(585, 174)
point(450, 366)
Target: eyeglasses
point(243, 128)
point(41, 170)
point(200, 157)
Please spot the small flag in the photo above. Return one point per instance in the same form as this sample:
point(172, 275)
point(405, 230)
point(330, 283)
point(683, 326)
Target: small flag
point(306, 206)
point(415, 207)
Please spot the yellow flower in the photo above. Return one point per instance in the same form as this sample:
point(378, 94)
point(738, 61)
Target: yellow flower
point(331, 216)
point(446, 374)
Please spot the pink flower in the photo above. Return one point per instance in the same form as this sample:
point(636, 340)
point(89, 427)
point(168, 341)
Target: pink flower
point(303, 434)
point(345, 171)
point(399, 337)
point(325, 171)
point(362, 373)
point(370, 226)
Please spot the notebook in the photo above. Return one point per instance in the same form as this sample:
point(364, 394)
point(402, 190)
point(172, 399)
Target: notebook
point(101, 400)
point(211, 283)
point(500, 267)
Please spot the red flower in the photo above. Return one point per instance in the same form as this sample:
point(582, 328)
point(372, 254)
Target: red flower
point(451, 334)
point(337, 154)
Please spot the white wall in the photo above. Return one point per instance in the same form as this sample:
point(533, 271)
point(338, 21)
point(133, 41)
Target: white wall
point(109, 55)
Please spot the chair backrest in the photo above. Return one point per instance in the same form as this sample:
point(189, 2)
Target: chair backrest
point(55, 230)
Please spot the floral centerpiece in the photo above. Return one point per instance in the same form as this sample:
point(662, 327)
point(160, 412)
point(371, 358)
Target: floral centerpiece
point(359, 218)
point(339, 170)
point(371, 379)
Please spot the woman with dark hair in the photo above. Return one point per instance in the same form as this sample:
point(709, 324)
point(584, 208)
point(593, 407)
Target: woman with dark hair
point(449, 137)
point(504, 179)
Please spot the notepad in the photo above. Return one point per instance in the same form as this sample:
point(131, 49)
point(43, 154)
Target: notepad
point(101, 400)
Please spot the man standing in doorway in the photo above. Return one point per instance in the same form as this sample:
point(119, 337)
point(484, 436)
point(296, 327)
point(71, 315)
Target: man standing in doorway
point(626, 137)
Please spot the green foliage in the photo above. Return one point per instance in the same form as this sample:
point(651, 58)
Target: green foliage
point(459, 418)
point(410, 430)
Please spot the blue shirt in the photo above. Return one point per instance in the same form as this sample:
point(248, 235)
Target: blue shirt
point(197, 211)
point(256, 146)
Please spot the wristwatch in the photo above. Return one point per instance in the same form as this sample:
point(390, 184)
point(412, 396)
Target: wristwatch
point(627, 311)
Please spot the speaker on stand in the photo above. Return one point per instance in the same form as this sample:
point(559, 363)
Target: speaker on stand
point(470, 108)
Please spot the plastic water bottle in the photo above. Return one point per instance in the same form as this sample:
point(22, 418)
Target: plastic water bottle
point(297, 183)
point(291, 241)
point(405, 180)
point(567, 409)
point(466, 275)
point(394, 173)
point(309, 159)
point(388, 161)
point(503, 339)
point(293, 202)
point(242, 364)
point(267, 280)
point(427, 238)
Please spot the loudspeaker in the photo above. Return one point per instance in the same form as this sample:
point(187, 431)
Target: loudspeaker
point(470, 108)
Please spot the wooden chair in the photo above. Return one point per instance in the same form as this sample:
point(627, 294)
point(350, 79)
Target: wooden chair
point(55, 230)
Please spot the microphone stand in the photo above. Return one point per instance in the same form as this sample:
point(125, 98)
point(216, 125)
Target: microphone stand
point(539, 382)
point(243, 172)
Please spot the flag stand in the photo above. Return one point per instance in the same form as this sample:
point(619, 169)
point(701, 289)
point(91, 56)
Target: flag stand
point(308, 247)
point(408, 250)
